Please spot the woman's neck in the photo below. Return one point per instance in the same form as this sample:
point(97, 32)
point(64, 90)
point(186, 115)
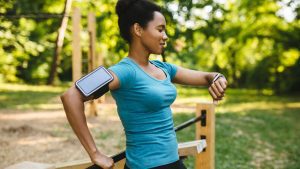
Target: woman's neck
point(139, 54)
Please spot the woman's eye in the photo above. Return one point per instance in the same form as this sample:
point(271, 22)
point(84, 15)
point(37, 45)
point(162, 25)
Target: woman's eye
point(160, 30)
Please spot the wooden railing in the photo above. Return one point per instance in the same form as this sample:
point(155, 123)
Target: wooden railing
point(203, 147)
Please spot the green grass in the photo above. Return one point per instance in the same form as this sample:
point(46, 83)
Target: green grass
point(253, 130)
point(20, 96)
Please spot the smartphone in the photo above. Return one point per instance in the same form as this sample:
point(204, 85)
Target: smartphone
point(94, 83)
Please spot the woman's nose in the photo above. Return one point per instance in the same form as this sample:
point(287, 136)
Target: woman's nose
point(165, 36)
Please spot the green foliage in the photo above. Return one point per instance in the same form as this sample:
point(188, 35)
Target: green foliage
point(26, 44)
point(246, 40)
point(239, 38)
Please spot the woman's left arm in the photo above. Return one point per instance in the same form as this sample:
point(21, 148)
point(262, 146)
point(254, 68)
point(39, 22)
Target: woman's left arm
point(216, 87)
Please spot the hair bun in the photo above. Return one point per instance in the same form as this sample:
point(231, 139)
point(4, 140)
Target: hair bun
point(123, 5)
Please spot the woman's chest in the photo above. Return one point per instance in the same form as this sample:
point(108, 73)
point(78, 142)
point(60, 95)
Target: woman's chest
point(154, 95)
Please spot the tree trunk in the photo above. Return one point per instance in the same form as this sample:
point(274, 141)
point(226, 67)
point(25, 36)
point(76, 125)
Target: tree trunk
point(276, 85)
point(59, 41)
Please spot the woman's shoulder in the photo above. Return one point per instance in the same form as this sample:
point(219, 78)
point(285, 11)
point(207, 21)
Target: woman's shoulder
point(171, 68)
point(124, 71)
point(124, 64)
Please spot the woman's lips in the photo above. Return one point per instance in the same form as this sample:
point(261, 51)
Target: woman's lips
point(163, 45)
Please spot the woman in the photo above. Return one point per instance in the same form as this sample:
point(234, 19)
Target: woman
point(143, 91)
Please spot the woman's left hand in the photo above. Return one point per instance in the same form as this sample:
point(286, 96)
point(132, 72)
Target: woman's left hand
point(217, 88)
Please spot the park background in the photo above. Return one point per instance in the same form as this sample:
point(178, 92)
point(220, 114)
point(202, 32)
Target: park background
point(254, 43)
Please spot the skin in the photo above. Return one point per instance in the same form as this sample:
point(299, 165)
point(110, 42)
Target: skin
point(145, 41)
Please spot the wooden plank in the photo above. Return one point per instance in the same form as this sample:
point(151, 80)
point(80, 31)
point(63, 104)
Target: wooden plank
point(92, 41)
point(92, 57)
point(92, 108)
point(76, 48)
point(78, 164)
point(30, 165)
point(184, 149)
point(81, 164)
point(191, 148)
point(206, 159)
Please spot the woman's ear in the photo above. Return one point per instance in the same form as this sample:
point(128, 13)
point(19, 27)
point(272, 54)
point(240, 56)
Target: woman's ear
point(137, 29)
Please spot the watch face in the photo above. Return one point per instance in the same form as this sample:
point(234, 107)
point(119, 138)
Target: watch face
point(93, 81)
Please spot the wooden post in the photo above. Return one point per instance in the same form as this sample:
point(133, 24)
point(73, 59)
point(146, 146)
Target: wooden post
point(59, 41)
point(92, 43)
point(100, 62)
point(92, 56)
point(206, 130)
point(76, 51)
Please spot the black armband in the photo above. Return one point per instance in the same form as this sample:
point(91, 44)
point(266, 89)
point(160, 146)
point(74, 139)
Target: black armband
point(95, 83)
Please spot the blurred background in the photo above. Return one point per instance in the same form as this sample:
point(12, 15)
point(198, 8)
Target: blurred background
point(254, 43)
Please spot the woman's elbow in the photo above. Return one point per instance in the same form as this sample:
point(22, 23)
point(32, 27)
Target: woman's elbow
point(63, 96)
point(71, 94)
point(66, 95)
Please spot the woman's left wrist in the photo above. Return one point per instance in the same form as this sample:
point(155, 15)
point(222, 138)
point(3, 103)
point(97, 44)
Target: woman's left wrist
point(210, 77)
point(214, 77)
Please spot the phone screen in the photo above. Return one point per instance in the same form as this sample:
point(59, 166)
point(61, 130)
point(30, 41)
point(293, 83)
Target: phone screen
point(93, 81)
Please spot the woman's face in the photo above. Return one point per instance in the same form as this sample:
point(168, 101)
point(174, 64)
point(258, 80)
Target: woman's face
point(154, 36)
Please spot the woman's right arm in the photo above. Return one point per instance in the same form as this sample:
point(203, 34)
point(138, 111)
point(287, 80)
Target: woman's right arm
point(73, 102)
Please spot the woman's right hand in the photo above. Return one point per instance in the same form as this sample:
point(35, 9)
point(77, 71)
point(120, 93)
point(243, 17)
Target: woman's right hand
point(102, 160)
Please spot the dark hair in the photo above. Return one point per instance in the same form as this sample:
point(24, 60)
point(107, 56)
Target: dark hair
point(134, 11)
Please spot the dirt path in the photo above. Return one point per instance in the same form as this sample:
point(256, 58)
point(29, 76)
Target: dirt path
point(45, 135)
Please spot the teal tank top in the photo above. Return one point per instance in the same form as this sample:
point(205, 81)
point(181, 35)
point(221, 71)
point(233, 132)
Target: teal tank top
point(143, 104)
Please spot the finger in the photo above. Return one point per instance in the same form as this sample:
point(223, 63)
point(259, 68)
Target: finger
point(220, 97)
point(215, 96)
point(212, 93)
point(226, 82)
point(219, 87)
point(112, 165)
point(223, 83)
point(214, 87)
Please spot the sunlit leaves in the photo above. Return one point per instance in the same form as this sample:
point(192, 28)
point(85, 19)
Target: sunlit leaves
point(290, 57)
point(240, 38)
